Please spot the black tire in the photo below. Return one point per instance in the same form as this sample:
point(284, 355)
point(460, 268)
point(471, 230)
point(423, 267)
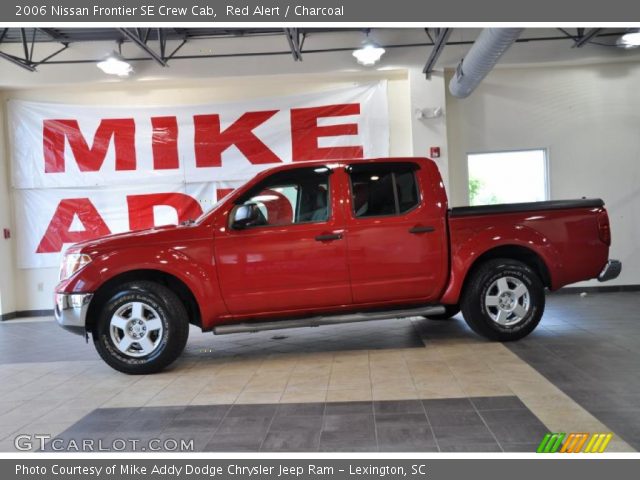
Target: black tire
point(168, 345)
point(474, 300)
point(449, 311)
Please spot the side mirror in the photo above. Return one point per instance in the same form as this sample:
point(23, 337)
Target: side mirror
point(247, 215)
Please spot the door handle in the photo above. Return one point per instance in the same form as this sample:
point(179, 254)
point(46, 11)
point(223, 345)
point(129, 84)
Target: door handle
point(328, 237)
point(420, 229)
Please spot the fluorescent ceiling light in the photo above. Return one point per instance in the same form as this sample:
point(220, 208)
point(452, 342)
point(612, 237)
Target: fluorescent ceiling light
point(369, 54)
point(629, 40)
point(115, 65)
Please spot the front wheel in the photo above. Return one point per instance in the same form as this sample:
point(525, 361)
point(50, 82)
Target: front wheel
point(141, 329)
point(504, 300)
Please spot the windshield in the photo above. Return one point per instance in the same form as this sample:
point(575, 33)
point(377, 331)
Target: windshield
point(214, 206)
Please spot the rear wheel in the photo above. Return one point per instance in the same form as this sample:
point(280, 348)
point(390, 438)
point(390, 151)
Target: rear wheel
point(504, 300)
point(449, 311)
point(141, 329)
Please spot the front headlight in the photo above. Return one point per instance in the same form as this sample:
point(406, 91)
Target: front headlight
point(71, 263)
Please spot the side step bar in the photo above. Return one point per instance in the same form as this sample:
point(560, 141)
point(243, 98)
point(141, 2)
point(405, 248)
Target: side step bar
point(326, 320)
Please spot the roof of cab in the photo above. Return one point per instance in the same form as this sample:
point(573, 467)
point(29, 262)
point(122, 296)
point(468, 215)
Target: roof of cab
point(341, 163)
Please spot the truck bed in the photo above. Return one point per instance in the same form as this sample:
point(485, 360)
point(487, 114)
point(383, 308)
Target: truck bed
point(563, 233)
point(525, 207)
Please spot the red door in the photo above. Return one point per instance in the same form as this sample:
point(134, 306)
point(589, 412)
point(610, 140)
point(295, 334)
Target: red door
point(295, 258)
point(396, 233)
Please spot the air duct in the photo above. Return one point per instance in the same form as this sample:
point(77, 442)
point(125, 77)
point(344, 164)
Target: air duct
point(482, 57)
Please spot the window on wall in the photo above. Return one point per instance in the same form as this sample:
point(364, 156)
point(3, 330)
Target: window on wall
point(508, 177)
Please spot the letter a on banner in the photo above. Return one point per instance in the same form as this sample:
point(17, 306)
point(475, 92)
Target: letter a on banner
point(59, 230)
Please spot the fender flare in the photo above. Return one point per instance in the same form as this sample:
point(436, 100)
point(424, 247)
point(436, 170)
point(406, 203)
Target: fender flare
point(202, 282)
point(465, 256)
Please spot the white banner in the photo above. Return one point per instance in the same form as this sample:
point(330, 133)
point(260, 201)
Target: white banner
point(74, 146)
point(84, 171)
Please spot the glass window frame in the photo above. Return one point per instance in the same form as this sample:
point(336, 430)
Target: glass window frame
point(412, 167)
point(261, 186)
point(546, 163)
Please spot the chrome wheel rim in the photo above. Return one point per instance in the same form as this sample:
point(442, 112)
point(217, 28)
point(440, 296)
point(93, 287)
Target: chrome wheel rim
point(136, 329)
point(507, 301)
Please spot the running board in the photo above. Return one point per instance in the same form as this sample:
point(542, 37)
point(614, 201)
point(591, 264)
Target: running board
point(326, 320)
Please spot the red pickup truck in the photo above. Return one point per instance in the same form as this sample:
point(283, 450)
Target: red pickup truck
point(319, 243)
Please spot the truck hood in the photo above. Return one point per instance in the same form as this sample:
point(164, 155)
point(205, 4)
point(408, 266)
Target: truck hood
point(168, 233)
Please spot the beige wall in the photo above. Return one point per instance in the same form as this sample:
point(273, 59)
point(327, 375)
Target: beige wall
point(588, 118)
point(7, 268)
point(31, 289)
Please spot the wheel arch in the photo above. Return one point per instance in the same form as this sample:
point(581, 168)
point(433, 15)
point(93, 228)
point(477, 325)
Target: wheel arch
point(170, 281)
point(513, 252)
point(526, 255)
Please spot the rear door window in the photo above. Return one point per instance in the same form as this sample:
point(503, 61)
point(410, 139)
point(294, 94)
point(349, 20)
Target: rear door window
point(383, 189)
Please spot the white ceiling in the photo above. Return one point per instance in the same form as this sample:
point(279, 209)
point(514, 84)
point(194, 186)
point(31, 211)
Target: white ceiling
point(551, 52)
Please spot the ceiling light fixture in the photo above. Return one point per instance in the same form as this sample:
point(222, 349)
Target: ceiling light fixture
point(114, 64)
point(629, 40)
point(369, 54)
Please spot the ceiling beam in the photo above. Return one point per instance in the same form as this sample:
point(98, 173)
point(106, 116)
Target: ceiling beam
point(23, 35)
point(54, 54)
point(17, 61)
point(54, 35)
point(143, 46)
point(438, 46)
point(584, 39)
point(293, 37)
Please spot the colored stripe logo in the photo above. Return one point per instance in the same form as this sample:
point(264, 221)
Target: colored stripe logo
point(574, 443)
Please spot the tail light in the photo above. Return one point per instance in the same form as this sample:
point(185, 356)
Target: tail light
point(604, 230)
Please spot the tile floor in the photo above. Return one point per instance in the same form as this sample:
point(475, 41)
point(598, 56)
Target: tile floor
point(52, 381)
point(480, 424)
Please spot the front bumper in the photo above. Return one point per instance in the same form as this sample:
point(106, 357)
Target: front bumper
point(610, 271)
point(71, 311)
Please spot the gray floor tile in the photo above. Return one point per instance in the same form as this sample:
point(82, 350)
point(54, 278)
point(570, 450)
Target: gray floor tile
point(351, 423)
point(401, 419)
point(519, 416)
point(520, 447)
point(188, 426)
point(348, 441)
point(235, 442)
point(398, 406)
point(259, 410)
point(143, 427)
point(405, 439)
point(447, 405)
point(313, 422)
point(453, 419)
point(349, 408)
point(472, 448)
point(203, 412)
point(527, 433)
point(93, 427)
point(497, 403)
point(292, 441)
point(244, 424)
point(462, 435)
point(300, 409)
